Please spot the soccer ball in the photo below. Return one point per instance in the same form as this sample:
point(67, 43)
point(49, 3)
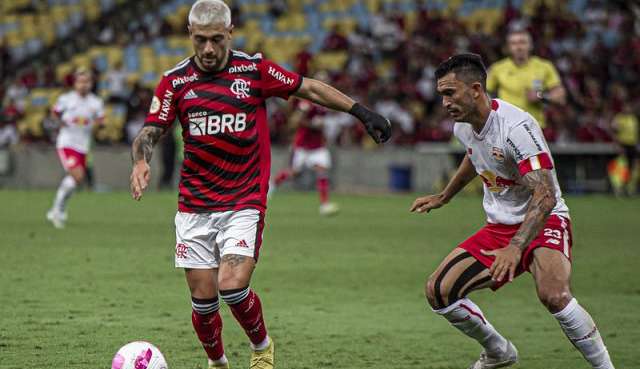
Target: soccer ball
point(139, 355)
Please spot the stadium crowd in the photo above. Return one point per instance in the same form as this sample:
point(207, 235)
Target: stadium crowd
point(390, 67)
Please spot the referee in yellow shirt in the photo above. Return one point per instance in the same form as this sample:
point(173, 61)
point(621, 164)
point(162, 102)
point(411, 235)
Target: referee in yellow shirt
point(524, 80)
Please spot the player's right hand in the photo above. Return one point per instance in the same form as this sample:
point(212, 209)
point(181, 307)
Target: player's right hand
point(140, 176)
point(427, 203)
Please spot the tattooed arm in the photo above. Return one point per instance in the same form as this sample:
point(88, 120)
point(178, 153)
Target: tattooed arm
point(541, 204)
point(141, 152)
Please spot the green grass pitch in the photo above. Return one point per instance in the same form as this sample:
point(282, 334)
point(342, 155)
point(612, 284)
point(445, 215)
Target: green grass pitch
point(341, 292)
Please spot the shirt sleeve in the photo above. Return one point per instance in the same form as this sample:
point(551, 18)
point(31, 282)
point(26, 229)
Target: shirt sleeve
point(60, 106)
point(162, 111)
point(99, 109)
point(277, 81)
point(551, 77)
point(528, 147)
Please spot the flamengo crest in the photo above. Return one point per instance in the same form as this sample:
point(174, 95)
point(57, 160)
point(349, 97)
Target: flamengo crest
point(240, 88)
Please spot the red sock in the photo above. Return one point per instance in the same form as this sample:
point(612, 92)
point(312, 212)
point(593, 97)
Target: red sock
point(209, 330)
point(247, 309)
point(322, 184)
point(282, 176)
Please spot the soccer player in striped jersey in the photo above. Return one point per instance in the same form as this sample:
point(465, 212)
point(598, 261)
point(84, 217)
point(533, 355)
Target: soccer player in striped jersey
point(528, 228)
point(218, 95)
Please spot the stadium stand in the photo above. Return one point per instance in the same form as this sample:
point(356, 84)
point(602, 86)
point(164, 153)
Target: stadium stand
point(383, 51)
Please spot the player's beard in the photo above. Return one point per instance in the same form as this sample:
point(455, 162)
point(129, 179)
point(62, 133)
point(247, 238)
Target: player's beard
point(212, 63)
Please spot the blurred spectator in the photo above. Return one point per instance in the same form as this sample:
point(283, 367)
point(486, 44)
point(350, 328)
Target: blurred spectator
point(8, 137)
point(627, 136)
point(335, 41)
point(303, 61)
point(134, 125)
point(277, 8)
point(138, 101)
point(16, 95)
point(116, 79)
point(5, 58)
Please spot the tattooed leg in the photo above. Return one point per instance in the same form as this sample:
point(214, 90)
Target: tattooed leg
point(234, 278)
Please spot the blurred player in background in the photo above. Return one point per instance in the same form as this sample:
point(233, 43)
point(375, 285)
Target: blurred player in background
point(309, 150)
point(528, 228)
point(76, 112)
point(627, 136)
point(525, 80)
point(219, 95)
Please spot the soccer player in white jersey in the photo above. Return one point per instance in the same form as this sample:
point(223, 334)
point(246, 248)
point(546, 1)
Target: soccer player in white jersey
point(528, 225)
point(77, 111)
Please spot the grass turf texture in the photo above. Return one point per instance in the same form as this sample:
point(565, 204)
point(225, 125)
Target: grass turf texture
point(341, 292)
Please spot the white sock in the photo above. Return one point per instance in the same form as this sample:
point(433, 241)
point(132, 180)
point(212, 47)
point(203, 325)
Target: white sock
point(261, 346)
point(65, 190)
point(468, 318)
point(222, 360)
point(579, 327)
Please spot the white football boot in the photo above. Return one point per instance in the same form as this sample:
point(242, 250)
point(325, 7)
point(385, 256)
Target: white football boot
point(328, 209)
point(509, 358)
point(57, 218)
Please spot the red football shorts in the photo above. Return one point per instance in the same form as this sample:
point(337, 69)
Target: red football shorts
point(71, 158)
point(556, 235)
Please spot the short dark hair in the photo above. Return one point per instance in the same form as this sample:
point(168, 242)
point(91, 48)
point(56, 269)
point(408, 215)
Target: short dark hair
point(468, 68)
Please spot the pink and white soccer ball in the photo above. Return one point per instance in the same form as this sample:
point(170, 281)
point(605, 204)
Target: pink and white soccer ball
point(139, 355)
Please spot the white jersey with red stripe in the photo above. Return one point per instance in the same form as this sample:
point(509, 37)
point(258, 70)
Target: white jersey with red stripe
point(510, 145)
point(78, 114)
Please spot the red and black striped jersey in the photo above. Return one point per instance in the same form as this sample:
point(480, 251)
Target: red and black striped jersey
point(227, 154)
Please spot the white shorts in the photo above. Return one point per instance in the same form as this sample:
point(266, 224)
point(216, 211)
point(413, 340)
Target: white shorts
point(303, 158)
point(203, 238)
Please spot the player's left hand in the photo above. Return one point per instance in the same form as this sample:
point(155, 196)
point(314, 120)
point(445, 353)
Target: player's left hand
point(377, 126)
point(505, 264)
point(532, 96)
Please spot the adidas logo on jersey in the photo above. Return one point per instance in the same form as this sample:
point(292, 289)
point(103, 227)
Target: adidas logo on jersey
point(190, 95)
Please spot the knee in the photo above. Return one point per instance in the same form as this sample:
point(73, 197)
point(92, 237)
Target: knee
point(555, 299)
point(430, 292)
point(231, 282)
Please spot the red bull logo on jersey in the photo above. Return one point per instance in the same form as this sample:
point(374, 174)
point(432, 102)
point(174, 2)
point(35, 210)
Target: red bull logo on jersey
point(81, 121)
point(182, 80)
point(496, 183)
point(497, 154)
point(201, 124)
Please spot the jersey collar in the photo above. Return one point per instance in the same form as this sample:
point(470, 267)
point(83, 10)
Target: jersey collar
point(487, 126)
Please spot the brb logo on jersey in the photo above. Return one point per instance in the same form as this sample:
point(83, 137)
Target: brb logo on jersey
point(240, 88)
point(201, 123)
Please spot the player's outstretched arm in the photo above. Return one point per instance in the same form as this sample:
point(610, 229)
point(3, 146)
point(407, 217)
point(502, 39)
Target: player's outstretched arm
point(141, 152)
point(542, 202)
point(377, 126)
point(465, 174)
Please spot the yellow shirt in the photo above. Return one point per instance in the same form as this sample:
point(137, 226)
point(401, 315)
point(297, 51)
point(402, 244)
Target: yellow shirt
point(511, 83)
point(626, 129)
